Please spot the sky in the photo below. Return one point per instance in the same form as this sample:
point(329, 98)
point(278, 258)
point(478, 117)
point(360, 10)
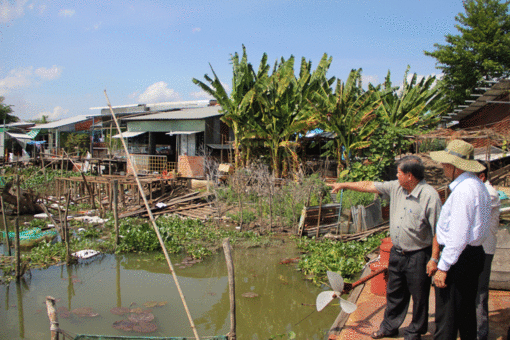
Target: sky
point(58, 57)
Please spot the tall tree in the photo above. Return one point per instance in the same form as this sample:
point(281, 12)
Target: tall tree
point(480, 52)
point(5, 113)
point(349, 112)
point(236, 105)
point(281, 104)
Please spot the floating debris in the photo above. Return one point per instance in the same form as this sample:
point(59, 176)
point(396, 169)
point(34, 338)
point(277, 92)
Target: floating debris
point(162, 303)
point(84, 312)
point(124, 325)
point(250, 295)
point(85, 254)
point(143, 317)
point(119, 310)
point(145, 327)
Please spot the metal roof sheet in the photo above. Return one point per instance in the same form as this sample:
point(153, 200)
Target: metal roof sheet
point(194, 113)
point(18, 135)
point(171, 133)
point(66, 121)
point(493, 93)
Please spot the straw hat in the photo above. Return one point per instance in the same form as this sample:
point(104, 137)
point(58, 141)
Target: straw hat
point(459, 154)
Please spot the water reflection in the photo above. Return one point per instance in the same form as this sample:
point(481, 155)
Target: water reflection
point(284, 302)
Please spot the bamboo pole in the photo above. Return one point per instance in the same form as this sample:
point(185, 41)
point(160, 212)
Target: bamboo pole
point(18, 194)
point(18, 250)
point(21, 318)
point(116, 209)
point(231, 288)
point(52, 315)
point(66, 229)
point(7, 248)
point(153, 221)
point(319, 218)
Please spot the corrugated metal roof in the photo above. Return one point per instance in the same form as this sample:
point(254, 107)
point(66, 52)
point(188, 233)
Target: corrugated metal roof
point(64, 122)
point(480, 154)
point(195, 113)
point(493, 93)
point(18, 135)
point(171, 133)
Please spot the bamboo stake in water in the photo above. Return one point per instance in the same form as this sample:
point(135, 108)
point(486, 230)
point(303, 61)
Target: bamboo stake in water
point(7, 251)
point(52, 315)
point(153, 221)
point(116, 209)
point(18, 251)
point(231, 288)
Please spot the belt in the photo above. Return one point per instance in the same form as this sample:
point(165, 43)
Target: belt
point(407, 252)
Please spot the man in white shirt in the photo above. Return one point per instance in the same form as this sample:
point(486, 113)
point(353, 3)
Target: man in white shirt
point(461, 230)
point(489, 247)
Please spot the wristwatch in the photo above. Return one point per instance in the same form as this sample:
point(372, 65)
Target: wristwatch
point(434, 260)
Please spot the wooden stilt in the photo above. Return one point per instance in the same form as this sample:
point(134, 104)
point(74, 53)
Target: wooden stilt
point(7, 247)
point(52, 315)
point(231, 288)
point(116, 209)
point(18, 250)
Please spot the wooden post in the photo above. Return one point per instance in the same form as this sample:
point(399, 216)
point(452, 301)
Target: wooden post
point(66, 230)
point(7, 248)
point(52, 315)
point(319, 218)
point(122, 196)
point(116, 209)
point(18, 251)
point(21, 319)
point(231, 288)
point(92, 202)
point(18, 194)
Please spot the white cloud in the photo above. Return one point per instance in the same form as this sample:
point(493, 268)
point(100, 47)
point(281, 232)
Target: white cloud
point(158, 92)
point(17, 78)
point(25, 77)
point(200, 95)
point(374, 80)
point(31, 6)
point(94, 27)
point(42, 9)
point(66, 12)
point(10, 10)
point(196, 29)
point(57, 113)
point(49, 73)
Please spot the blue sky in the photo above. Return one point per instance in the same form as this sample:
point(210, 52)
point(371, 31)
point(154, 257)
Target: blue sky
point(57, 57)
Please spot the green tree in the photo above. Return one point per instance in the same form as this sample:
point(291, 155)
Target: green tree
point(282, 106)
point(236, 107)
point(76, 142)
point(42, 120)
point(5, 113)
point(349, 112)
point(480, 52)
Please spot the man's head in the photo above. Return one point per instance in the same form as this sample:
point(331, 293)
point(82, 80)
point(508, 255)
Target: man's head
point(457, 158)
point(484, 175)
point(410, 171)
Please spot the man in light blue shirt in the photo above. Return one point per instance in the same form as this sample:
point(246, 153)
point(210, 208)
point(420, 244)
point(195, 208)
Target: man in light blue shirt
point(461, 230)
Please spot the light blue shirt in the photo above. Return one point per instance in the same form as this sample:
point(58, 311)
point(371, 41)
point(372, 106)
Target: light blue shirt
point(464, 218)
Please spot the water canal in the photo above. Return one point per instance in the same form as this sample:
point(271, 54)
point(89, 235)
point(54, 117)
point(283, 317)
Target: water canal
point(285, 301)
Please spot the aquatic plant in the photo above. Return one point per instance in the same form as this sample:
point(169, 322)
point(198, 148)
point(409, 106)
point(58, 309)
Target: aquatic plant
point(346, 258)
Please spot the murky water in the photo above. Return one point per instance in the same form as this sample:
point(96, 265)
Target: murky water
point(285, 301)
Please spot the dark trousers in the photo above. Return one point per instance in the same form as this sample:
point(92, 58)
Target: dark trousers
point(407, 277)
point(482, 299)
point(455, 304)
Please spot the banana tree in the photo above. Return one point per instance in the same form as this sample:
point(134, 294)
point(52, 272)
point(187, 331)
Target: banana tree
point(416, 105)
point(236, 108)
point(350, 113)
point(283, 105)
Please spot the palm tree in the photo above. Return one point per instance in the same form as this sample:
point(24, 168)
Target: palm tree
point(350, 113)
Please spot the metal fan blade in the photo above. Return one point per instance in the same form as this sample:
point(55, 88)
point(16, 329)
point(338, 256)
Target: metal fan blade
point(347, 306)
point(336, 281)
point(323, 299)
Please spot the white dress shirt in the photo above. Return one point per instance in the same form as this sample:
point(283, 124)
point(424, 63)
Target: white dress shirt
point(464, 218)
point(489, 245)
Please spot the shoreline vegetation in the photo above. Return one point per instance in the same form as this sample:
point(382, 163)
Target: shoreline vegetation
point(261, 222)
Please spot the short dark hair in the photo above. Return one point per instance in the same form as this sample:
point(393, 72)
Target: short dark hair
point(485, 171)
point(412, 164)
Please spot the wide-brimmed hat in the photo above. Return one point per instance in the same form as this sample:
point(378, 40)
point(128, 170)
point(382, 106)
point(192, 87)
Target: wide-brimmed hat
point(459, 154)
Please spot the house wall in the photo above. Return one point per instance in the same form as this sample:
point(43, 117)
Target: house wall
point(167, 125)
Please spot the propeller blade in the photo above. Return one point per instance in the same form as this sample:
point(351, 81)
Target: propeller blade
point(336, 281)
point(323, 299)
point(347, 306)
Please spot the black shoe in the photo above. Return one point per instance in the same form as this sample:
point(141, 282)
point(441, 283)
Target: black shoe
point(381, 333)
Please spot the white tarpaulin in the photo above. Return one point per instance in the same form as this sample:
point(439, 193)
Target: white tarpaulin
point(182, 132)
point(129, 134)
point(21, 138)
